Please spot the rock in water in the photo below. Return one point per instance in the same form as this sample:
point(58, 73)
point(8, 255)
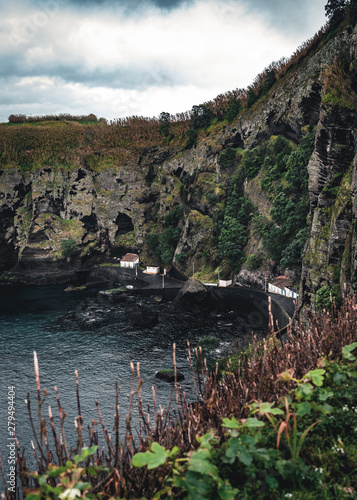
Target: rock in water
point(193, 297)
point(141, 315)
point(169, 375)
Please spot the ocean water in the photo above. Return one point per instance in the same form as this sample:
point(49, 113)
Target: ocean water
point(30, 320)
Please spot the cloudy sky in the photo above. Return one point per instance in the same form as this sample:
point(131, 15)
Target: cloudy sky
point(119, 58)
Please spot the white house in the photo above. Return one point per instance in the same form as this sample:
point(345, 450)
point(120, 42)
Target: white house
point(130, 260)
point(280, 286)
point(224, 283)
point(152, 270)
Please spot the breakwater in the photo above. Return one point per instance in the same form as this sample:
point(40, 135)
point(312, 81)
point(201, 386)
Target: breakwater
point(251, 305)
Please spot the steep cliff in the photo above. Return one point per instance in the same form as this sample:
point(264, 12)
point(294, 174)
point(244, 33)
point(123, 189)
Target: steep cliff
point(216, 205)
point(330, 254)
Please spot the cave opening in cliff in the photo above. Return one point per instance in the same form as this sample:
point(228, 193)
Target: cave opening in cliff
point(124, 223)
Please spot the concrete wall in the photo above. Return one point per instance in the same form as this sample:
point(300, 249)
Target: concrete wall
point(252, 305)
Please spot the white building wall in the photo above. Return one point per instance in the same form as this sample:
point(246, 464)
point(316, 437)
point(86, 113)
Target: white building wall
point(224, 282)
point(286, 292)
point(291, 293)
point(129, 264)
point(152, 270)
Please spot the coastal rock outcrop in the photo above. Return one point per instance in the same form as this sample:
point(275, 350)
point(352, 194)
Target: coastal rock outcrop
point(141, 315)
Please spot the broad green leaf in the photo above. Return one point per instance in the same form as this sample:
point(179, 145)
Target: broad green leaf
point(55, 472)
point(33, 496)
point(317, 376)
point(231, 423)
point(83, 486)
point(304, 390)
point(283, 467)
point(303, 409)
point(268, 408)
point(255, 406)
point(94, 470)
point(325, 394)
point(53, 489)
point(85, 452)
point(235, 449)
point(245, 457)
point(325, 409)
point(263, 454)
point(206, 439)
point(253, 422)
point(198, 487)
point(66, 479)
point(200, 462)
point(249, 440)
point(232, 450)
point(154, 458)
point(226, 492)
point(79, 458)
point(92, 449)
point(286, 376)
point(173, 453)
point(42, 480)
point(346, 351)
point(339, 378)
point(271, 482)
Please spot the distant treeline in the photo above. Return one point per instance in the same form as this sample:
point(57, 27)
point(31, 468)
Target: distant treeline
point(19, 118)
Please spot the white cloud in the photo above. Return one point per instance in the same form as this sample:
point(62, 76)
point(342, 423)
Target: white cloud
point(38, 82)
point(132, 65)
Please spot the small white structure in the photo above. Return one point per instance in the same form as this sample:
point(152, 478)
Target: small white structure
point(224, 282)
point(152, 270)
point(280, 286)
point(130, 260)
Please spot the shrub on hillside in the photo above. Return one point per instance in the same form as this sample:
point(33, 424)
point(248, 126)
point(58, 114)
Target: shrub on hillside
point(254, 262)
point(227, 157)
point(68, 248)
point(17, 118)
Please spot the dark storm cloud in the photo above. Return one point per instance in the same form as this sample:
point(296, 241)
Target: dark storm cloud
point(124, 5)
point(119, 79)
point(285, 15)
point(162, 4)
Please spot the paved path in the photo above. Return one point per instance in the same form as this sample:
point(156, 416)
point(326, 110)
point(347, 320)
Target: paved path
point(153, 280)
point(285, 302)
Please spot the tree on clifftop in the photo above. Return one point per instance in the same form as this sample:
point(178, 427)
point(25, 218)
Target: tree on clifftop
point(335, 9)
point(165, 123)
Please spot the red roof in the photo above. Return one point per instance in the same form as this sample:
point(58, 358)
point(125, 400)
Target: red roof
point(130, 257)
point(281, 282)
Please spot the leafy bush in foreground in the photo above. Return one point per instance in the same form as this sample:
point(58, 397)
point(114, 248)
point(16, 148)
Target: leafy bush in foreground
point(262, 457)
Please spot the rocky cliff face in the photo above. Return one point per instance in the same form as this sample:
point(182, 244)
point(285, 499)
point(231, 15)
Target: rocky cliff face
point(112, 210)
point(330, 254)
